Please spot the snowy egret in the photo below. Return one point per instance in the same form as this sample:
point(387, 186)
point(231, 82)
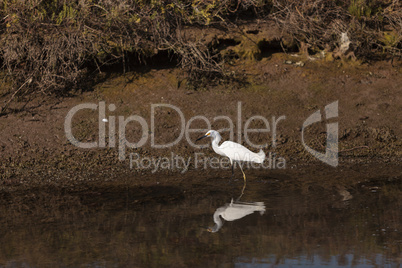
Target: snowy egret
point(234, 151)
point(234, 211)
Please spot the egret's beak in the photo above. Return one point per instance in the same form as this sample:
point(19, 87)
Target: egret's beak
point(209, 229)
point(200, 138)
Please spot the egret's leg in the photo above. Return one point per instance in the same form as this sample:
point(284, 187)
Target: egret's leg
point(244, 175)
point(242, 191)
point(244, 185)
point(232, 172)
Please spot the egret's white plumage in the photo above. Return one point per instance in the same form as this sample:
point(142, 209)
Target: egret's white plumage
point(234, 211)
point(234, 151)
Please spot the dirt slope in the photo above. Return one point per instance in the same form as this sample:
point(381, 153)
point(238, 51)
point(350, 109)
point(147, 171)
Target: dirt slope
point(33, 141)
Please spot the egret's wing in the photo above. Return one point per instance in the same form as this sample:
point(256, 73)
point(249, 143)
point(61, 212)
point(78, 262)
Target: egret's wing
point(238, 152)
point(231, 144)
point(247, 203)
point(254, 206)
point(235, 213)
point(244, 208)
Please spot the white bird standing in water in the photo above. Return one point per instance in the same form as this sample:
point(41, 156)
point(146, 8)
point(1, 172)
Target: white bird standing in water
point(234, 151)
point(235, 211)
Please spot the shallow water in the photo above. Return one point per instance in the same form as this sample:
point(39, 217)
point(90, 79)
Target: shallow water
point(306, 226)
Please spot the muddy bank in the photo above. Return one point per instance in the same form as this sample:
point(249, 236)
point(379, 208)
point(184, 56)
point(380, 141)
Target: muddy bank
point(34, 145)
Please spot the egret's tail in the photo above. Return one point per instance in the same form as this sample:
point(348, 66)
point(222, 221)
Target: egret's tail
point(260, 156)
point(251, 206)
point(259, 207)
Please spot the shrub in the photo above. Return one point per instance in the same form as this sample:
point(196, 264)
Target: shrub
point(57, 44)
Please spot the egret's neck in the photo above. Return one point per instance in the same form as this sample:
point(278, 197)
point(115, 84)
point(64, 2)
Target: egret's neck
point(217, 139)
point(215, 143)
point(218, 222)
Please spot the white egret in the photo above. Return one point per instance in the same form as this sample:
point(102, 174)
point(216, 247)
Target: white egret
point(234, 211)
point(234, 151)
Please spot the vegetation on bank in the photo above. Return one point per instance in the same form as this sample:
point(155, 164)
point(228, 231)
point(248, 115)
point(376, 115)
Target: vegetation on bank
point(54, 46)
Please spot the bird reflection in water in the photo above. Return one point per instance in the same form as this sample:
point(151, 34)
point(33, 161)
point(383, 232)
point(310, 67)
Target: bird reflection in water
point(234, 211)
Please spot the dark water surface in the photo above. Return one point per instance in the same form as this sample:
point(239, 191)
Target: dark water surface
point(305, 226)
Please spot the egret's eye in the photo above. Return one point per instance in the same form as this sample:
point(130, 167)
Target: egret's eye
point(208, 134)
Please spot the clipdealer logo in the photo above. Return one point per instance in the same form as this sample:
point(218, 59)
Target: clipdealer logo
point(148, 131)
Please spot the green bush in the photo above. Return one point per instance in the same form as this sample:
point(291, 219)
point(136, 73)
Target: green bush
point(359, 8)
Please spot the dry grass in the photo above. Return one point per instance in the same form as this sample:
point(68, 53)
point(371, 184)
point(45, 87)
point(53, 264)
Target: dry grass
point(60, 44)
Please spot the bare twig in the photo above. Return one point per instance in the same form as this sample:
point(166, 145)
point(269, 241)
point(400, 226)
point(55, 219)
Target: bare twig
point(354, 148)
point(28, 81)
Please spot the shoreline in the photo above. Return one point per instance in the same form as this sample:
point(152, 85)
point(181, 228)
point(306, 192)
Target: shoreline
point(34, 139)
